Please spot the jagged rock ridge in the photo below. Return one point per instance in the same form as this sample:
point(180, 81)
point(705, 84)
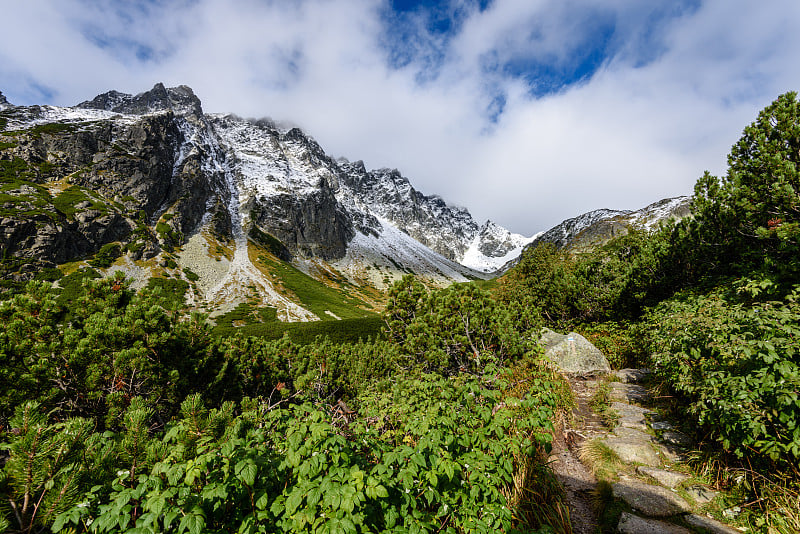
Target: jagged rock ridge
point(595, 228)
point(152, 172)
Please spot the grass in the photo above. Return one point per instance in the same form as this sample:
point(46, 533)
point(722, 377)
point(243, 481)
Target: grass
point(312, 294)
point(68, 199)
point(36, 201)
point(538, 498)
point(15, 169)
point(601, 403)
point(273, 245)
point(244, 314)
point(53, 128)
point(767, 503)
point(601, 460)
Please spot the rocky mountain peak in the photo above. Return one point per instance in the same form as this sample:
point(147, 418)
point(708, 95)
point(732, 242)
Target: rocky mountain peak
point(597, 227)
point(180, 100)
point(4, 104)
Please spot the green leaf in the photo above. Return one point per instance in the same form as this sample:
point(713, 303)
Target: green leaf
point(192, 523)
point(246, 471)
point(293, 501)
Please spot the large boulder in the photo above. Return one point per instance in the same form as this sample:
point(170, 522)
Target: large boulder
point(573, 353)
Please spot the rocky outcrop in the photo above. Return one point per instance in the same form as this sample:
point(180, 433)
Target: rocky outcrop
point(313, 225)
point(148, 170)
point(105, 179)
point(495, 241)
point(445, 229)
point(180, 100)
point(573, 353)
point(4, 104)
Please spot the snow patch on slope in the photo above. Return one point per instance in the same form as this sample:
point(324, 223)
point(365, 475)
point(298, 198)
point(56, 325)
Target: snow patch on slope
point(266, 162)
point(475, 259)
point(31, 116)
point(383, 259)
point(493, 247)
point(658, 212)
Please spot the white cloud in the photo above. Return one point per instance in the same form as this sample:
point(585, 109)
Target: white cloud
point(677, 91)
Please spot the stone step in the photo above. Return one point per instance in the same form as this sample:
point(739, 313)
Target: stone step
point(709, 525)
point(633, 524)
point(666, 478)
point(649, 500)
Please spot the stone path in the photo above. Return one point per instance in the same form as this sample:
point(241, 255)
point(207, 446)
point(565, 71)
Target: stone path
point(649, 485)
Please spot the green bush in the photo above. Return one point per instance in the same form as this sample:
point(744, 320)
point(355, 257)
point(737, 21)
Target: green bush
point(191, 275)
point(116, 345)
point(456, 329)
point(749, 220)
point(440, 456)
point(344, 331)
point(106, 255)
point(737, 366)
point(623, 344)
point(173, 291)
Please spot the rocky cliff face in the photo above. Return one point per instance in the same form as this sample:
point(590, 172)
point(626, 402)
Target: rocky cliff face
point(3, 102)
point(286, 176)
point(445, 229)
point(160, 180)
point(136, 178)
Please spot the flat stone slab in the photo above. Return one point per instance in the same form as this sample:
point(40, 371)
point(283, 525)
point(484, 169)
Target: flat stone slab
point(651, 501)
point(632, 376)
point(711, 525)
point(633, 434)
point(701, 494)
point(666, 478)
point(629, 392)
point(633, 451)
point(633, 524)
point(631, 416)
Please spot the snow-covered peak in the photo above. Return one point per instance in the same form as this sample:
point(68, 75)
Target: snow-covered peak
point(386, 193)
point(656, 213)
point(269, 162)
point(592, 229)
point(493, 247)
point(21, 117)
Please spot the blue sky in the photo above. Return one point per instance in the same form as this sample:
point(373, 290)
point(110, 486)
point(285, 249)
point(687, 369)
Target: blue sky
point(524, 111)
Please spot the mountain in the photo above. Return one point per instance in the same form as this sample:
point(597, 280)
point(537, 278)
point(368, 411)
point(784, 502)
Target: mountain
point(240, 210)
point(595, 228)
